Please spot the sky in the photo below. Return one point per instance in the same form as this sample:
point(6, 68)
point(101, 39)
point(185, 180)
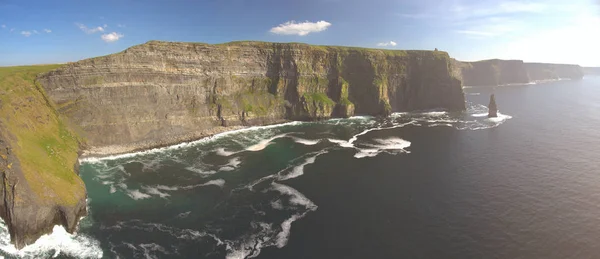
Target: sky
point(58, 31)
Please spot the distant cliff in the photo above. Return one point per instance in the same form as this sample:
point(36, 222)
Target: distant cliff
point(161, 93)
point(494, 72)
point(502, 72)
point(542, 71)
point(591, 70)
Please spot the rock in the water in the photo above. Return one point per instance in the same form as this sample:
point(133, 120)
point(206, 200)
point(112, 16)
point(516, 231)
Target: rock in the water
point(493, 109)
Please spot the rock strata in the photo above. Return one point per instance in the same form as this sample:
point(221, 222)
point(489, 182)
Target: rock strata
point(161, 93)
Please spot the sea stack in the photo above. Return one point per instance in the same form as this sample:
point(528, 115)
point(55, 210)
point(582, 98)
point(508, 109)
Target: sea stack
point(493, 110)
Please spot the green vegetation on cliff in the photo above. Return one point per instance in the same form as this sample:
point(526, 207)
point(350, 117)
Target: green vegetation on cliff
point(46, 148)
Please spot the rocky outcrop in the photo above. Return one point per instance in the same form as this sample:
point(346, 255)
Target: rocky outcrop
point(160, 93)
point(494, 72)
point(39, 185)
point(544, 72)
point(492, 108)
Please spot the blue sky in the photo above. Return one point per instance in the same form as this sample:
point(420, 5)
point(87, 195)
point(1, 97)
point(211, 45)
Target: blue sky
point(559, 31)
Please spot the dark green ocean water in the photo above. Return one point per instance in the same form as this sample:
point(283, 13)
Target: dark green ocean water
point(427, 184)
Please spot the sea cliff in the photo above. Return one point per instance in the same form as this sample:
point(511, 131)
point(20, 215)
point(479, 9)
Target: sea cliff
point(503, 72)
point(39, 182)
point(160, 93)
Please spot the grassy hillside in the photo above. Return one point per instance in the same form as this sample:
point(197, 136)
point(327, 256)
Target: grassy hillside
point(45, 147)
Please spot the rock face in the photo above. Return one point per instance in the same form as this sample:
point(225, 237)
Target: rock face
point(494, 72)
point(161, 93)
point(492, 108)
point(39, 185)
point(542, 71)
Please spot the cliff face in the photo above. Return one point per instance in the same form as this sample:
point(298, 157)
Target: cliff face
point(161, 93)
point(502, 72)
point(591, 70)
point(494, 72)
point(39, 185)
point(542, 71)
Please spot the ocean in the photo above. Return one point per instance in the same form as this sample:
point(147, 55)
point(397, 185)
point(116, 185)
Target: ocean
point(430, 184)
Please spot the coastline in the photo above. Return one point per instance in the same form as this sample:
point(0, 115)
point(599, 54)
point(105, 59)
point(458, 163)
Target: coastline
point(90, 154)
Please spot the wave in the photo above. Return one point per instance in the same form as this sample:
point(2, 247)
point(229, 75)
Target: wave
point(58, 242)
point(307, 142)
point(299, 169)
point(264, 143)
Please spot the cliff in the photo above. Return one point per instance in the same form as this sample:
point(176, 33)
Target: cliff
point(494, 72)
point(591, 70)
point(542, 71)
point(161, 93)
point(503, 72)
point(39, 182)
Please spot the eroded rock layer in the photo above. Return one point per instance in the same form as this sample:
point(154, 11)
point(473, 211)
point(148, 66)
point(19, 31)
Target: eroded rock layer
point(161, 93)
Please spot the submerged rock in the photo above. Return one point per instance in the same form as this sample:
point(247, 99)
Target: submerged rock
point(493, 109)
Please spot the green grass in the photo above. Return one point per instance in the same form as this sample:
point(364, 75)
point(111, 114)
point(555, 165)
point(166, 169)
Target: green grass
point(319, 98)
point(46, 148)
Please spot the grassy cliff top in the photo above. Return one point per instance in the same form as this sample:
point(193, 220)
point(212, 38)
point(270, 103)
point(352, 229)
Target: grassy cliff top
point(45, 147)
point(326, 48)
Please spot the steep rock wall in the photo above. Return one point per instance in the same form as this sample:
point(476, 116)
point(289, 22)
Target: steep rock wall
point(39, 185)
point(543, 71)
point(161, 93)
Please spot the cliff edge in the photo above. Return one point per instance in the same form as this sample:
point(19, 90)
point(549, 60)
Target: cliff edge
point(39, 182)
point(161, 93)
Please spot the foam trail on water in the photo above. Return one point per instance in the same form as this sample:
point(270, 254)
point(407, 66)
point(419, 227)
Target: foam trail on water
point(223, 152)
point(263, 143)
point(299, 169)
point(52, 245)
point(297, 198)
point(307, 142)
point(137, 195)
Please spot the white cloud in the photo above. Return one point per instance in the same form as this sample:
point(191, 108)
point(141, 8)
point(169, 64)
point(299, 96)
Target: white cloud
point(112, 37)
point(35, 32)
point(386, 44)
point(12, 29)
point(121, 25)
point(47, 30)
point(302, 29)
point(90, 30)
point(26, 33)
point(3, 26)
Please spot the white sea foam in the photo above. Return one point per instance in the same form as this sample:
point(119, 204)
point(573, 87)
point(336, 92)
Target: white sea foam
point(155, 191)
point(308, 142)
point(297, 198)
point(283, 236)
point(299, 169)
point(217, 182)
point(264, 143)
point(226, 168)
point(200, 171)
point(223, 152)
point(53, 244)
point(137, 195)
point(392, 143)
point(479, 114)
point(277, 205)
point(366, 152)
